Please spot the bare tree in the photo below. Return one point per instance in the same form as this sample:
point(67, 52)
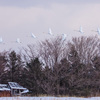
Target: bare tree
point(84, 58)
point(51, 52)
point(28, 53)
point(86, 47)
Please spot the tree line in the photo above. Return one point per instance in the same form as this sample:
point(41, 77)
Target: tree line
point(55, 67)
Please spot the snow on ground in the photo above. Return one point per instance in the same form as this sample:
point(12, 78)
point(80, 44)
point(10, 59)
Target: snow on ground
point(48, 98)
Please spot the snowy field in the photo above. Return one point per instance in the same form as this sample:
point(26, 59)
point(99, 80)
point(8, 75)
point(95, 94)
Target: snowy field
point(48, 98)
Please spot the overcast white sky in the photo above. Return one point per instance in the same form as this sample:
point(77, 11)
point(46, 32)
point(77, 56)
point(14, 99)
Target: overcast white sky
point(20, 18)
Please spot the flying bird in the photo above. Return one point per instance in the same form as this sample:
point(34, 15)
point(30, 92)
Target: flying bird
point(63, 37)
point(18, 40)
point(98, 30)
point(50, 32)
point(33, 35)
point(1, 40)
point(81, 30)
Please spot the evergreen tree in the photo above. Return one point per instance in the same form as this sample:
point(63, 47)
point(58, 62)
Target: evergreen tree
point(15, 67)
point(33, 76)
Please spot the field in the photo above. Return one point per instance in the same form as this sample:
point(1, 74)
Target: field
point(48, 98)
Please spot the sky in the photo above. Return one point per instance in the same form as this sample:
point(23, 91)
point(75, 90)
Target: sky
point(20, 18)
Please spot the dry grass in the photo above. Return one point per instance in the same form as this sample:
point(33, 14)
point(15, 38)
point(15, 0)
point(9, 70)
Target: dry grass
point(38, 98)
point(46, 97)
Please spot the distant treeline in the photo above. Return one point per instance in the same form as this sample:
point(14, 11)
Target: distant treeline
point(55, 67)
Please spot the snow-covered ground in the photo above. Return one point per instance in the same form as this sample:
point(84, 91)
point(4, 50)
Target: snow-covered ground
point(48, 98)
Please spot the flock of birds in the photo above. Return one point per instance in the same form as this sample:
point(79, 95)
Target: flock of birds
point(50, 33)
